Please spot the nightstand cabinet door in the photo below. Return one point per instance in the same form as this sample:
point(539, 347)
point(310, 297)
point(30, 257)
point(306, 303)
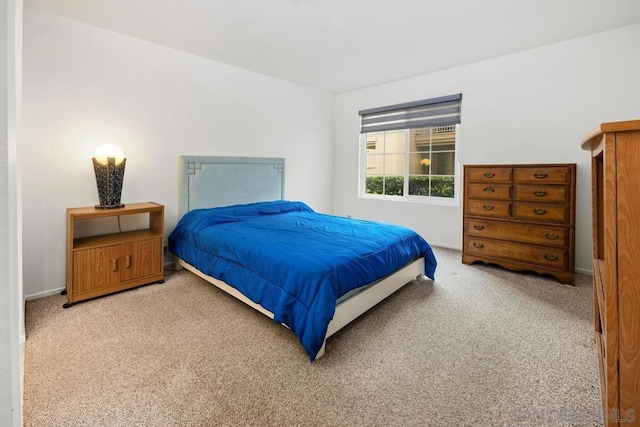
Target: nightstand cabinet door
point(96, 268)
point(141, 259)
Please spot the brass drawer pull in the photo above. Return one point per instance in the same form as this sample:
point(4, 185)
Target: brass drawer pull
point(552, 236)
point(539, 211)
point(540, 175)
point(478, 245)
point(488, 190)
point(489, 175)
point(550, 257)
point(540, 193)
point(488, 207)
point(478, 227)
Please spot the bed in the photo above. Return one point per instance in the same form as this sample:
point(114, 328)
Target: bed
point(312, 272)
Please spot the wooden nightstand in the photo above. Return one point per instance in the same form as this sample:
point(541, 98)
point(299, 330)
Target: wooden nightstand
point(108, 263)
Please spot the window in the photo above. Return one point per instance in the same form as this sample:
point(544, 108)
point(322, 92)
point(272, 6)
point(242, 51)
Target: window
point(409, 150)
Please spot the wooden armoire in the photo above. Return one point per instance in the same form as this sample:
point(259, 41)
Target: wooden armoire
point(615, 151)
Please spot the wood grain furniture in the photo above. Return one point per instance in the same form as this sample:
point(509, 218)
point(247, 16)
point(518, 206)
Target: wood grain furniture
point(103, 264)
point(615, 150)
point(521, 217)
point(222, 181)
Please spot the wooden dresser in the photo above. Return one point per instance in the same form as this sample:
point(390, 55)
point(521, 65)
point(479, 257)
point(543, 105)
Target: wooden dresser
point(521, 217)
point(615, 164)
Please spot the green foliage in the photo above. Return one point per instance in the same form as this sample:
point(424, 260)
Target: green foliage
point(419, 185)
point(441, 186)
point(388, 185)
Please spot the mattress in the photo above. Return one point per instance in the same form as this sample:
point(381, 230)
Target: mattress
point(293, 261)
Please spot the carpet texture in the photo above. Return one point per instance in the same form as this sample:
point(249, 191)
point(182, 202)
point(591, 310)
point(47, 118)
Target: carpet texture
point(480, 346)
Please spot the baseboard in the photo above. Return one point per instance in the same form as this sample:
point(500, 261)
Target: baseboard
point(583, 271)
point(168, 266)
point(445, 246)
point(44, 294)
point(457, 248)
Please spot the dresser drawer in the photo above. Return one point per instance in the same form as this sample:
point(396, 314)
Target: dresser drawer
point(541, 193)
point(543, 174)
point(490, 208)
point(490, 174)
point(489, 191)
point(541, 212)
point(517, 232)
point(551, 257)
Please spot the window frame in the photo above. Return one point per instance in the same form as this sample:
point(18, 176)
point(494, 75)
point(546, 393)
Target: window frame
point(433, 200)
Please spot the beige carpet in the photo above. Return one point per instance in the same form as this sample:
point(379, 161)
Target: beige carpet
point(480, 346)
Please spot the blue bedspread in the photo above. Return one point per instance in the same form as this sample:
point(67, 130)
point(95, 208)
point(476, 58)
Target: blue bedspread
point(294, 262)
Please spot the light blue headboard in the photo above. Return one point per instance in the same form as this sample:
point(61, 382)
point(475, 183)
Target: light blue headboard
point(208, 182)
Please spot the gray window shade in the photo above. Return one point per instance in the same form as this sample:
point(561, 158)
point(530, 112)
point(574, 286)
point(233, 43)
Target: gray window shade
point(444, 110)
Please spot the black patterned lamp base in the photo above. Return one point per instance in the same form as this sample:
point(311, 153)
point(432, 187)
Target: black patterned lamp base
point(109, 180)
point(121, 205)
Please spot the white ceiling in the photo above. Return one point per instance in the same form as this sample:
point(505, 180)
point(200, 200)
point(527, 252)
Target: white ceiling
point(342, 45)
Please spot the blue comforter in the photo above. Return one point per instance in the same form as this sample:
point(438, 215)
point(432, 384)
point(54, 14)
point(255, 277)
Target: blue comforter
point(294, 262)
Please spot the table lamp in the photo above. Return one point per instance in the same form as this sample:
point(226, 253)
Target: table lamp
point(108, 164)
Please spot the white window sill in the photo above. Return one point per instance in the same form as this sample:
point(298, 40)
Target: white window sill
point(440, 201)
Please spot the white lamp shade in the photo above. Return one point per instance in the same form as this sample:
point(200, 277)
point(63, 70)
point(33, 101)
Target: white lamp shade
point(105, 151)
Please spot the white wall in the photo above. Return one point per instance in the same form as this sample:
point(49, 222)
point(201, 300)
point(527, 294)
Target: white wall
point(11, 313)
point(84, 85)
point(530, 107)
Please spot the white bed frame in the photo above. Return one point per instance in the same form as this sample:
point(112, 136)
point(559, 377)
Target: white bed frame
point(222, 181)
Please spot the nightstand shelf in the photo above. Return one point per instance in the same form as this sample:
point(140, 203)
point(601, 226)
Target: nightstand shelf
point(103, 264)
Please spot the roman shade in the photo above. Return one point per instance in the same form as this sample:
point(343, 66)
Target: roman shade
point(444, 110)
